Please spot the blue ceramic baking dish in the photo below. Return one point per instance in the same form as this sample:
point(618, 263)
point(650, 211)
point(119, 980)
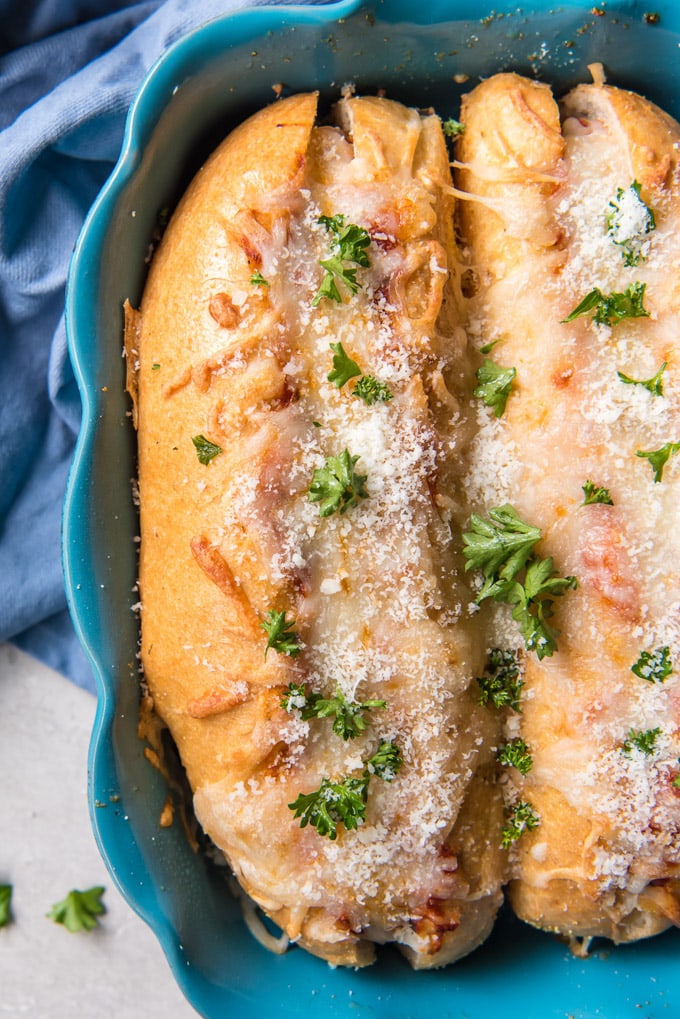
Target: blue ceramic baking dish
point(202, 87)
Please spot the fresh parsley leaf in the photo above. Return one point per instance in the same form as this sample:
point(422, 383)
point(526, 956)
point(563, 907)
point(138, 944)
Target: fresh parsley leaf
point(532, 604)
point(658, 458)
point(335, 269)
point(521, 818)
point(643, 740)
point(495, 384)
point(344, 368)
point(79, 911)
point(595, 494)
point(205, 449)
point(516, 754)
point(676, 780)
point(499, 546)
point(488, 347)
point(331, 804)
point(502, 548)
point(155, 366)
point(295, 697)
point(258, 280)
point(349, 717)
point(349, 245)
point(453, 128)
point(371, 390)
point(612, 308)
point(281, 635)
point(386, 761)
point(501, 684)
point(336, 486)
point(5, 905)
point(654, 666)
point(653, 385)
point(628, 221)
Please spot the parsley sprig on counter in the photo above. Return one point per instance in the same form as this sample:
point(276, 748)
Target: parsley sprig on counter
point(612, 308)
point(502, 548)
point(5, 904)
point(79, 911)
point(348, 254)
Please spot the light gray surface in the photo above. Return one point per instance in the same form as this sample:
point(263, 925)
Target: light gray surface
point(46, 849)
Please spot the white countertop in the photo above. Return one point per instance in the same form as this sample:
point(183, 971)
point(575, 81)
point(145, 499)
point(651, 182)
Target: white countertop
point(46, 849)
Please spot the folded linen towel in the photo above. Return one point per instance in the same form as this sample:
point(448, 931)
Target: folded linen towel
point(68, 72)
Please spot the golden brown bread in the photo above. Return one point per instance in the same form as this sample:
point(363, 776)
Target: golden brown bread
point(234, 347)
point(605, 856)
point(236, 341)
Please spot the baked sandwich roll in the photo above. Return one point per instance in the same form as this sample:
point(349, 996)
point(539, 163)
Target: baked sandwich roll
point(572, 233)
point(305, 628)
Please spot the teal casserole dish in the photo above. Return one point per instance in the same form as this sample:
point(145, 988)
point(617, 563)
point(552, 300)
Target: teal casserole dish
point(202, 87)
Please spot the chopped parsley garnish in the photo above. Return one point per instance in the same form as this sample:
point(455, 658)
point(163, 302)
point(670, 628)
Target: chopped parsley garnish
point(502, 548)
point(349, 717)
point(596, 494)
point(516, 754)
point(205, 449)
point(370, 389)
point(501, 684)
point(628, 221)
point(521, 818)
point(654, 666)
point(612, 308)
point(386, 761)
point(453, 128)
point(281, 635)
point(155, 366)
point(653, 385)
point(333, 803)
point(349, 246)
point(344, 368)
point(336, 486)
point(258, 280)
point(643, 740)
point(79, 911)
point(5, 905)
point(495, 384)
point(499, 546)
point(345, 801)
point(676, 780)
point(658, 458)
point(488, 347)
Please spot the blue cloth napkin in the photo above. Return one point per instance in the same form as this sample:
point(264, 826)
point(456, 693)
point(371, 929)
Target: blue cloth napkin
point(68, 72)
